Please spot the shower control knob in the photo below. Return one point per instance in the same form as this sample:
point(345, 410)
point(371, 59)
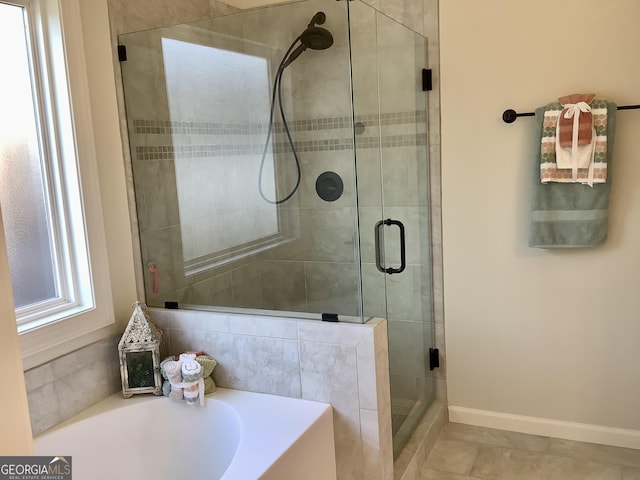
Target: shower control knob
point(329, 186)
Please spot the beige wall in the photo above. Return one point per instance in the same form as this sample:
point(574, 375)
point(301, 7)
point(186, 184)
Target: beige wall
point(539, 333)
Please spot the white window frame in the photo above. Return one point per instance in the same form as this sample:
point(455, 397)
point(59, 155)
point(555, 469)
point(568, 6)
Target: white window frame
point(85, 308)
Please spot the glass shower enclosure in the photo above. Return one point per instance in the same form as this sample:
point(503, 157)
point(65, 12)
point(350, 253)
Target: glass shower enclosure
point(280, 166)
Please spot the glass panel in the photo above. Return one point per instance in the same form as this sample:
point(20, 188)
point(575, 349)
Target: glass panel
point(22, 184)
point(237, 129)
point(393, 179)
point(405, 180)
point(364, 72)
point(140, 369)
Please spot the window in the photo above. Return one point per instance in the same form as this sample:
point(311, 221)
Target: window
point(218, 122)
point(22, 194)
point(49, 202)
point(220, 218)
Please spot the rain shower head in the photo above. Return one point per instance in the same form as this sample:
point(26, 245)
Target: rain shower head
point(315, 38)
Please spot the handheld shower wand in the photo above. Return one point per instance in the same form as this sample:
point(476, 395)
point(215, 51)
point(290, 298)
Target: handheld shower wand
point(315, 38)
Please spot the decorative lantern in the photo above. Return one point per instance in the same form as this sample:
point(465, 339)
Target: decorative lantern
point(139, 350)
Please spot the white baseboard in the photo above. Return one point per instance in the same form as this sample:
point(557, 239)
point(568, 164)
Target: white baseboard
point(583, 432)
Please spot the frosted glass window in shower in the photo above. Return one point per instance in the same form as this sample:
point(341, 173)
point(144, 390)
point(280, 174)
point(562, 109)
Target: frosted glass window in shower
point(219, 105)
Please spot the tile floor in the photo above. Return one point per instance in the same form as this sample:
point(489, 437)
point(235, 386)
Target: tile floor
point(464, 452)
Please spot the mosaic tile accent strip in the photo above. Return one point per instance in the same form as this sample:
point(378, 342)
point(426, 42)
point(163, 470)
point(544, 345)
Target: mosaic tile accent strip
point(394, 118)
point(171, 152)
point(168, 127)
point(390, 141)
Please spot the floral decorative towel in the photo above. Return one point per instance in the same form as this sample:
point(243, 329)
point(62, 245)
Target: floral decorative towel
point(592, 165)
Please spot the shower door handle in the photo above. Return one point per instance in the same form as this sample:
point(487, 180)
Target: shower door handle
point(377, 233)
point(403, 259)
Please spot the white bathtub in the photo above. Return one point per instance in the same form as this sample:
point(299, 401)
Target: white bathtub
point(237, 436)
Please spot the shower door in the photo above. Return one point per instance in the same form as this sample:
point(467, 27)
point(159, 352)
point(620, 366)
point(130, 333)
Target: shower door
point(393, 197)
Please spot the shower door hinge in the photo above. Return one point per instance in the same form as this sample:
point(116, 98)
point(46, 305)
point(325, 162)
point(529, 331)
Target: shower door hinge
point(427, 79)
point(434, 358)
point(122, 53)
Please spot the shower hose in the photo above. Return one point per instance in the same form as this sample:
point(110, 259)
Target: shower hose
point(277, 87)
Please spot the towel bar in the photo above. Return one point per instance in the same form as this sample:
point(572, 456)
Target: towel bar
point(510, 115)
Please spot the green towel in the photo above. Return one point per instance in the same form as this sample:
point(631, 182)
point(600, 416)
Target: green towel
point(208, 364)
point(570, 215)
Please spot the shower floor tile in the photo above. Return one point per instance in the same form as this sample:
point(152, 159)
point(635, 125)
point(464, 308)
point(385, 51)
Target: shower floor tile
point(400, 410)
point(464, 452)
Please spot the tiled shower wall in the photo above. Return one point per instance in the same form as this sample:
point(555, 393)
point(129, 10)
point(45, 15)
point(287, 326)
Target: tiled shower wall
point(323, 254)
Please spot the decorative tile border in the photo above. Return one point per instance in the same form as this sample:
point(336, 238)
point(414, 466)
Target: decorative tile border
point(390, 141)
point(172, 152)
point(168, 127)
